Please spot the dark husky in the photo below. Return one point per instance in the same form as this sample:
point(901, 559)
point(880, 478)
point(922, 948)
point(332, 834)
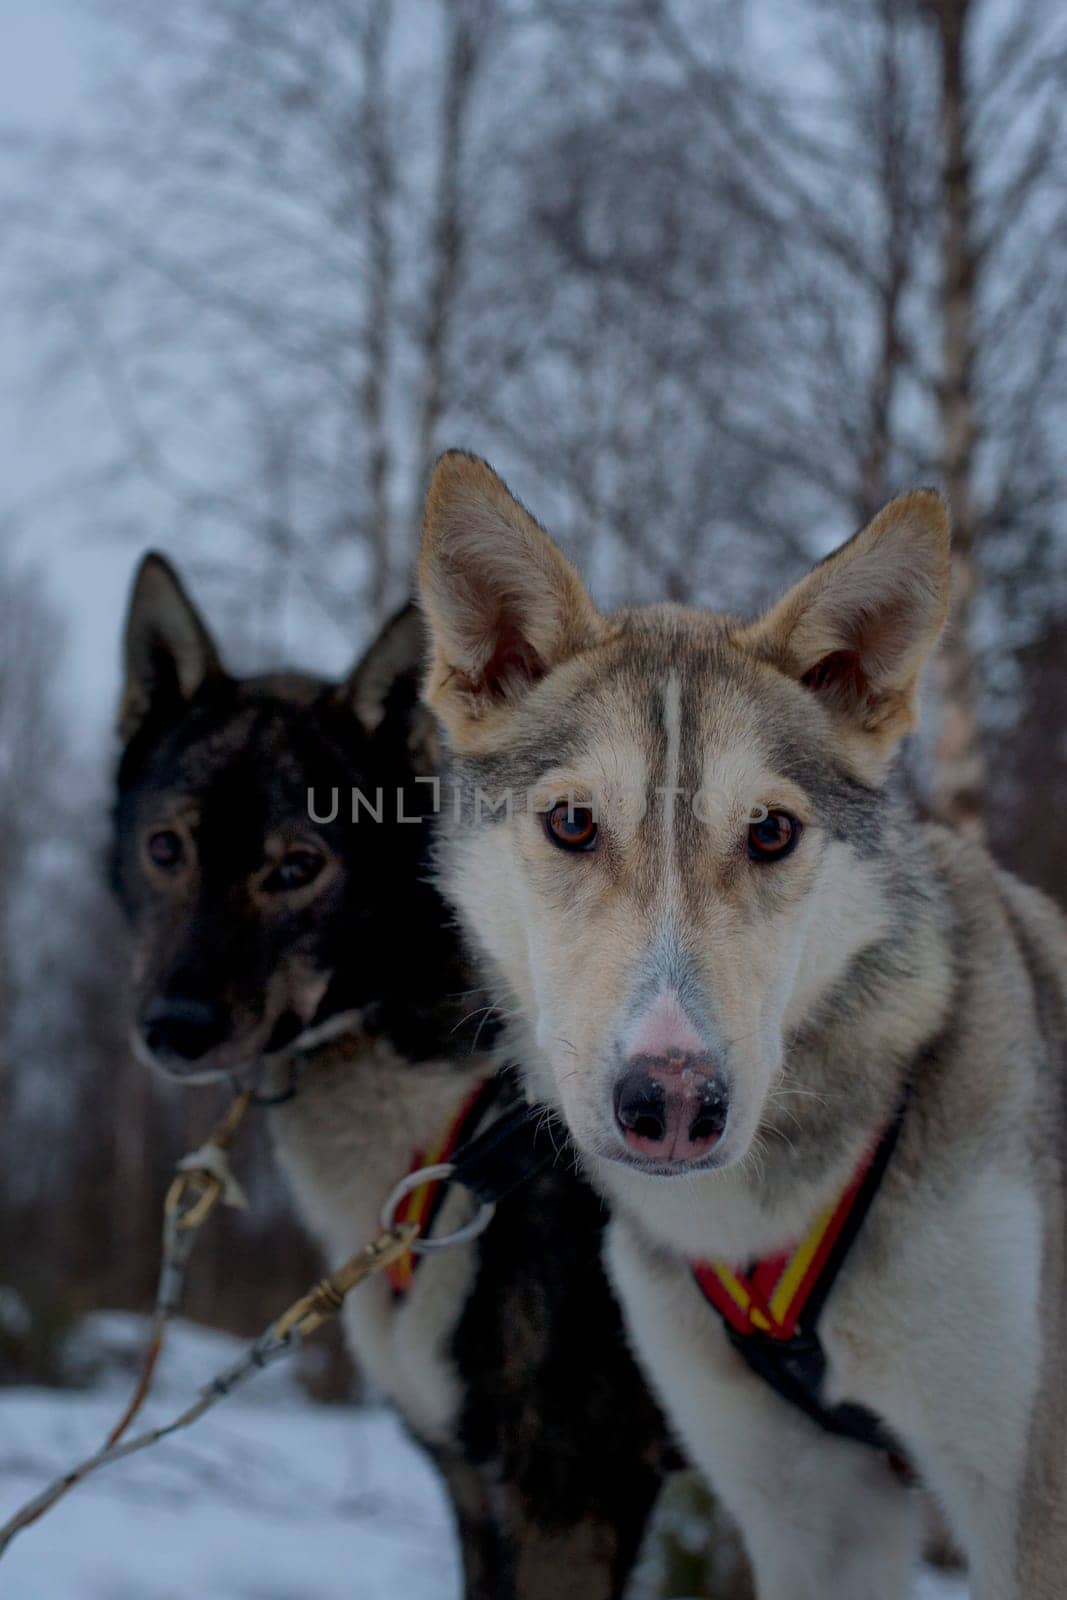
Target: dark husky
point(264, 939)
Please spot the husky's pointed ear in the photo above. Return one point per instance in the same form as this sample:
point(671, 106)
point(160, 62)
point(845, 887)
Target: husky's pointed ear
point(383, 689)
point(857, 630)
point(169, 651)
point(503, 605)
point(393, 657)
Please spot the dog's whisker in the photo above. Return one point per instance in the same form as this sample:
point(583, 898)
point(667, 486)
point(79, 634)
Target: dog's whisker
point(480, 1011)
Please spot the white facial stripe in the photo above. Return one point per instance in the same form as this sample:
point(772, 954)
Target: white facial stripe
point(664, 1029)
point(672, 722)
point(666, 800)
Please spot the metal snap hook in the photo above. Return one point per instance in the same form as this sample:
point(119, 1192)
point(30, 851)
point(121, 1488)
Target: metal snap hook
point(435, 1174)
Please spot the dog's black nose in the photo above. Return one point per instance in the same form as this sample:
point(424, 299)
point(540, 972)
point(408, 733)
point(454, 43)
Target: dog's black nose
point(182, 1028)
point(673, 1109)
point(641, 1106)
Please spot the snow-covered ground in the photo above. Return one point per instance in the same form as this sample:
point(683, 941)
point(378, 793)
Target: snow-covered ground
point(269, 1498)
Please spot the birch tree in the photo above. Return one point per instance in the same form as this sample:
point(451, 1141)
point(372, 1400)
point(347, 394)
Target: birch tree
point(255, 259)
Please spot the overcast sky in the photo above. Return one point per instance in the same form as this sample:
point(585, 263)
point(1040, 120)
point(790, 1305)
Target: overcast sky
point(46, 68)
point(51, 61)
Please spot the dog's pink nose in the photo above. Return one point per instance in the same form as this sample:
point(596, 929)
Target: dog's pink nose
point(671, 1108)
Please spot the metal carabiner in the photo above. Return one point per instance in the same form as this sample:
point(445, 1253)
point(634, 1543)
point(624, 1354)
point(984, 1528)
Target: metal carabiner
point(435, 1174)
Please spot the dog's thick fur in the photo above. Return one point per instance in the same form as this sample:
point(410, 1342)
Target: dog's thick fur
point(507, 1357)
point(882, 951)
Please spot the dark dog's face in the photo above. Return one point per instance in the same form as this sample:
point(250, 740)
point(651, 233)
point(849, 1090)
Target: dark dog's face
point(252, 919)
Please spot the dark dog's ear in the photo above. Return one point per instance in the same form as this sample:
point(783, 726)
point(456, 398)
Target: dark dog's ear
point(396, 653)
point(169, 651)
point(383, 687)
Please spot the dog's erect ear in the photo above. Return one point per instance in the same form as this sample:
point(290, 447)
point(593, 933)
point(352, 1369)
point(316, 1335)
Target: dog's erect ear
point(857, 630)
point(503, 604)
point(396, 653)
point(169, 652)
point(383, 688)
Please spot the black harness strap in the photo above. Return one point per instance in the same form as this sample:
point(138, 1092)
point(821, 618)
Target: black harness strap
point(490, 1093)
point(511, 1151)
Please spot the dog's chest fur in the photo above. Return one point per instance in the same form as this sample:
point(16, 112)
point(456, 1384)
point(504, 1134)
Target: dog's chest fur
point(352, 1131)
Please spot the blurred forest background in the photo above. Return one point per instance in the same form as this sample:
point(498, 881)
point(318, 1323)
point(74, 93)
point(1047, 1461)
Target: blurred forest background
point(706, 281)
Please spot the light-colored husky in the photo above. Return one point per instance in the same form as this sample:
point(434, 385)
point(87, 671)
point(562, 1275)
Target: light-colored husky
point(733, 948)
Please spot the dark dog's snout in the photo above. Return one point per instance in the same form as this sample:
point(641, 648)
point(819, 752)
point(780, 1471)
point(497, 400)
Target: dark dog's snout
point(182, 1028)
point(671, 1108)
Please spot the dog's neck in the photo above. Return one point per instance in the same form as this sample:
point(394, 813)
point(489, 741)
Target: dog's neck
point(407, 977)
point(279, 1077)
point(355, 1127)
point(800, 1163)
point(356, 1033)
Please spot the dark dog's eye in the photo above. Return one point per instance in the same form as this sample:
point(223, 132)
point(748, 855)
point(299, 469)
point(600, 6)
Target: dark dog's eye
point(295, 870)
point(571, 827)
point(773, 838)
point(165, 848)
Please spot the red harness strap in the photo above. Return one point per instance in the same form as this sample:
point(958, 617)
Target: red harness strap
point(771, 1296)
point(772, 1310)
point(423, 1203)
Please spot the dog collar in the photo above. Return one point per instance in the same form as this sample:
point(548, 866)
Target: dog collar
point(292, 1059)
point(771, 1310)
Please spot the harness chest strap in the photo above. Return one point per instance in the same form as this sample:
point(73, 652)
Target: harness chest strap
point(422, 1204)
point(772, 1309)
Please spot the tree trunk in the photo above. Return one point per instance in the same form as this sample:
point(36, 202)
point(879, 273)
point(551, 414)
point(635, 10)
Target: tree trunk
point(379, 158)
point(959, 779)
point(873, 486)
point(466, 23)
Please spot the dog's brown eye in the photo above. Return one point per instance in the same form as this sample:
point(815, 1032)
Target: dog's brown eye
point(295, 870)
point(165, 849)
point(773, 838)
point(571, 827)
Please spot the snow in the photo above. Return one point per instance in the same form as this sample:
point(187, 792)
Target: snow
point(272, 1497)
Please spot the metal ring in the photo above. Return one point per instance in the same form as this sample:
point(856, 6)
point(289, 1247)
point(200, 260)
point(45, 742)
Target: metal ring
point(436, 1174)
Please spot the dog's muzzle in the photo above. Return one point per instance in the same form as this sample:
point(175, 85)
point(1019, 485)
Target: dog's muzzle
point(179, 1031)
